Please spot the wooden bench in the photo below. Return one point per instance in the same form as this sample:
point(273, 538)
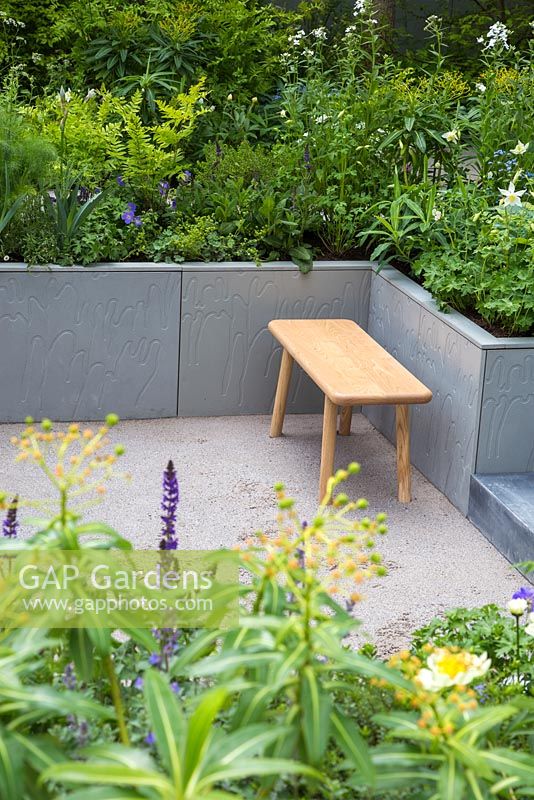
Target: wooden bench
point(351, 369)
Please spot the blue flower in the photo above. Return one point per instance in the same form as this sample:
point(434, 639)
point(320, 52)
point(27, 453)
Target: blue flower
point(120, 180)
point(150, 739)
point(524, 593)
point(164, 187)
point(139, 683)
point(154, 660)
point(175, 686)
point(129, 216)
point(69, 677)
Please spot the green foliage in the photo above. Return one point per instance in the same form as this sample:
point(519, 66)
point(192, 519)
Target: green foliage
point(200, 240)
point(490, 630)
point(24, 163)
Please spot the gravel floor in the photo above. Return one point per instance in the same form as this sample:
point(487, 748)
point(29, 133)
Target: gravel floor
point(227, 467)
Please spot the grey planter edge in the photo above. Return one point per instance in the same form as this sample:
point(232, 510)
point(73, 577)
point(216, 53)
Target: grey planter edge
point(454, 319)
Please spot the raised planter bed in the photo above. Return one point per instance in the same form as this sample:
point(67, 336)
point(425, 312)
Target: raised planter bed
point(151, 340)
point(481, 416)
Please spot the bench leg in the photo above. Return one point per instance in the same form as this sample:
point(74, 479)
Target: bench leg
point(403, 454)
point(280, 400)
point(345, 419)
point(328, 446)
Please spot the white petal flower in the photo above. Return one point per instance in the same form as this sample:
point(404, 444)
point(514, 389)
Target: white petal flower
point(283, 113)
point(322, 118)
point(512, 197)
point(359, 7)
point(520, 148)
point(480, 87)
point(448, 668)
point(518, 606)
point(451, 136)
point(497, 35)
point(436, 213)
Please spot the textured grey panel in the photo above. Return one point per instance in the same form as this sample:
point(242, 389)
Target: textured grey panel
point(443, 432)
point(229, 361)
point(506, 441)
point(77, 345)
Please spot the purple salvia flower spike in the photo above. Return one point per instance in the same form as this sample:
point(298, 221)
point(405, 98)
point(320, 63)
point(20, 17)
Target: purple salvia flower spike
point(169, 505)
point(11, 525)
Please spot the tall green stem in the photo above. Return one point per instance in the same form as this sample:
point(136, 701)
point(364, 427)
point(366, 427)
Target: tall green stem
point(518, 648)
point(117, 700)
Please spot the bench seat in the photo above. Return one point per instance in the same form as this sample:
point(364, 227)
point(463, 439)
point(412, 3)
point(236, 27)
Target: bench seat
point(351, 369)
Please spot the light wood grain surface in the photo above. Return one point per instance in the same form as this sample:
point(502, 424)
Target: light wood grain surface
point(346, 363)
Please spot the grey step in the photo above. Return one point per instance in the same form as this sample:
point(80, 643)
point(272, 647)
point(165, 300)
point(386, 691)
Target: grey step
point(502, 507)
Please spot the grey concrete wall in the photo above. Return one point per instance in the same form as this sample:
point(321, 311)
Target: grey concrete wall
point(443, 432)
point(76, 344)
point(506, 440)
point(229, 361)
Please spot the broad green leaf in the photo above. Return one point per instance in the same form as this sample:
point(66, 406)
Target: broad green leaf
point(105, 793)
point(217, 664)
point(200, 732)
point(93, 773)
point(451, 780)
point(243, 743)
point(483, 721)
point(354, 746)
point(167, 723)
point(316, 706)
point(82, 651)
point(11, 761)
point(511, 762)
point(250, 767)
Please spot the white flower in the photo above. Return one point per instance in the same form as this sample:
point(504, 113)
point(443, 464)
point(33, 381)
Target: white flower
point(283, 113)
point(350, 29)
point(529, 629)
point(296, 38)
point(520, 148)
point(90, 94)
point(511, 197)
point(433, 23)
point(497, 34)
point(64, 96)
point(308, 52)
point(447, 668)
point(230, 96)
point(518, 606)
point(480, 87)
point(322, 118)
point(451, 136)
point(319, 33)
point(436, 213)
point(359, 7)
point(254, 100)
